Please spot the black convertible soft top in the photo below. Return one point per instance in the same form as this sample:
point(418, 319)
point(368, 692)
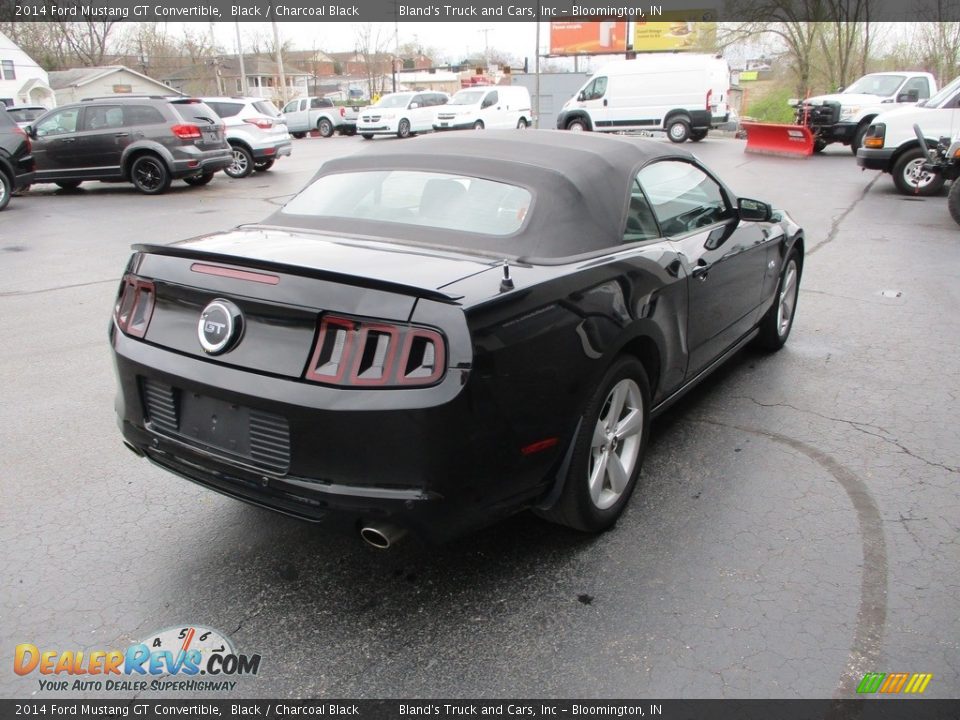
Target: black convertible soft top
point(580, 183)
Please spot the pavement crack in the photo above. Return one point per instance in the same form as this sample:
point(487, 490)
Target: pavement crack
point(837, 221)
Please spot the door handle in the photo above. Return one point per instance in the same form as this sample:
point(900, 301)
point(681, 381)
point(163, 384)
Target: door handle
point(68, 140)
point(604, 102)
point(701, 271)
point(121, 135)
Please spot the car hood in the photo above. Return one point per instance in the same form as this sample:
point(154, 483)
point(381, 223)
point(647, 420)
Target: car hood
point(845, 99)
point(344, 256)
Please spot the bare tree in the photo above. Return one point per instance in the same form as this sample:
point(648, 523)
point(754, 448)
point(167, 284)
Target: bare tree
point(41, 41)
point(372, 42)
point(844, 40)
point(88, 41)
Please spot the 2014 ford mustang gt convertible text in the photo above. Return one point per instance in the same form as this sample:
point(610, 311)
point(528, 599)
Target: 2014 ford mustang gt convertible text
point(449, 330)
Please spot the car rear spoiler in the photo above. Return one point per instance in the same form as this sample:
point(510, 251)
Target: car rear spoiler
point(319, 274)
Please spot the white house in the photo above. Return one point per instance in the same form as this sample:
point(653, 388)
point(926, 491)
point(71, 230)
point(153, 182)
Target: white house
point(79, 83)
point(22, 81)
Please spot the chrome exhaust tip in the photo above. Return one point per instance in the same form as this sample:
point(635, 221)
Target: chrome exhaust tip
point(381, 535)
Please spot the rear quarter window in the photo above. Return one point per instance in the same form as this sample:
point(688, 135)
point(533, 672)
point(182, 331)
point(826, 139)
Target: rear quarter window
point(224, 109)
point(142, 115)
point(267, 108)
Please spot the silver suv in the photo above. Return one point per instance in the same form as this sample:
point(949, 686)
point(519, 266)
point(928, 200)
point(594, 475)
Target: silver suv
point(255, 130)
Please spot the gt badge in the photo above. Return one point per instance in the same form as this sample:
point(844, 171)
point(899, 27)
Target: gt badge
point(220, 326)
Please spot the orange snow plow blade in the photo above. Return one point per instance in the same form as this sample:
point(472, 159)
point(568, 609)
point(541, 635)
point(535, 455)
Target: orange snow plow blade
point(775, 139)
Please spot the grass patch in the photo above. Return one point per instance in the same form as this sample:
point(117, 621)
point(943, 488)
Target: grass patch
point(772, 107)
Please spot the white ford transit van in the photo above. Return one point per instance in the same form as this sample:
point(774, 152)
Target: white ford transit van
point(681, 94)
point(491, 106)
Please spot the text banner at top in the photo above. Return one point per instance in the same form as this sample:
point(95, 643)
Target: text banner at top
point(638, 11)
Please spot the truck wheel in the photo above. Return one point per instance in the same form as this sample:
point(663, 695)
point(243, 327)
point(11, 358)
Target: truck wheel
point(522, 124)
point(367, 136)
point(953, 201)
point(678, 130)
point(299, 135)
point(858, 136)
point(818, 145)
point(577, 125)
point(403, 129)
point(325, 127)
point(697, 135)
point(910, 177)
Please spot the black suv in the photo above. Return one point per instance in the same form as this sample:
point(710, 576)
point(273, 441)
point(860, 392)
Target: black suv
point(16, 162)
point(147, 141)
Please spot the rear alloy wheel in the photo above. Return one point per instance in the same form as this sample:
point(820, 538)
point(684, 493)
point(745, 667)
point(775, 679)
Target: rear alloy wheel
point(403, 129)
point(522, 124)
point(68, 184)
point(242, 164)
point(910, 177)
point(478, 125)
point(776, 324)
point(678, 130)
point(149, 175)
point(198, 180)
point(577, 125)
point(608, 451)
point(953, 201)
point(263, 165)
point(325, 127)
point(6, 189)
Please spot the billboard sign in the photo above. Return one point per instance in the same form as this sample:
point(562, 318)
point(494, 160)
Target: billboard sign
point(588, 38)
point(678, 30)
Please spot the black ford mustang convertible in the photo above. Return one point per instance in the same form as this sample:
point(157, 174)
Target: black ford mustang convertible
point(440, 333)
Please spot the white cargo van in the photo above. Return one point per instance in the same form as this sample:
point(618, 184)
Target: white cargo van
point(681, 94)
point(496, 106)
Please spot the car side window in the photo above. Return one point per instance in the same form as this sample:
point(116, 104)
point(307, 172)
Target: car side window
point(60, 123)
point(491, 99)
point(641, 222)
point(102, 117)
point(918, 85)
point(291, 106)
point(416, 99)
point(596, 90)
point(141, 115)
point(683, 197)
point(441, 99)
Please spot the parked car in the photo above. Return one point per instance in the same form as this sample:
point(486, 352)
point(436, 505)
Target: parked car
point(843, 117)
point(256, 131)
point(16, 160)
point(683, 95)
point(436, 335)
point(890, 143)
point(147, 141)
point(502, 106)
point(402, 114)
point(23, 115)
point(319, 113)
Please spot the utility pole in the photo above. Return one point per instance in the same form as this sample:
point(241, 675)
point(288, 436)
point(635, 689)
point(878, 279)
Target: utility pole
point(536, 66)
point(486, 44)
point(243, 71)
point(279, 54)
point(396, 43)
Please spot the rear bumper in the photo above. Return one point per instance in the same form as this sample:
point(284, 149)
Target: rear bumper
point(453, 126)
point(282, 149)
point(875, 158)
point(209, 161)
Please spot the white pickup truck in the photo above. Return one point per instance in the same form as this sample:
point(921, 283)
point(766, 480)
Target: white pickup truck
point(844, 116)
point(319, 113)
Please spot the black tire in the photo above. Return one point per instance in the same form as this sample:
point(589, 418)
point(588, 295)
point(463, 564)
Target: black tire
point(6, 190)
point(818, 145)
point(68, 184)
point(522, 124)
point(923, 184)
point(403, 129)
point(198, 180)
point(578, 125)
point(858, 136)
point(697, 135)
point(776, 324)
point(149, 175)
point(478, 125)
point(367, 136)
point(325, 127)
point(263, 165)
point(595, 446)
point(299, 135)
point(242, 164)
point(678, 130)
point(953, 201)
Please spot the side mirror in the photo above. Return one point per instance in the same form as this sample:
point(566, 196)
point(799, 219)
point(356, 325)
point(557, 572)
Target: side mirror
point(909, 96)
point(839, 88)
point(581, 96)
point(414, 106)
point(754, 210)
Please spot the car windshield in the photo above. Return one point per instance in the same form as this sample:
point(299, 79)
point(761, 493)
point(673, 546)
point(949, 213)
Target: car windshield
point(944, 95)
point(393, 101)
point(883, 85)
point(25, 114)
point(430, 199)
point(467, 97)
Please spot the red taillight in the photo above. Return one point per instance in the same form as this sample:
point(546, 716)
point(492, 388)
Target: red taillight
point(186, 132)
point(134, 306)
point(362, 353)
point(20, 131)
point(709, 95)
point(261, 122)
point(343, 112)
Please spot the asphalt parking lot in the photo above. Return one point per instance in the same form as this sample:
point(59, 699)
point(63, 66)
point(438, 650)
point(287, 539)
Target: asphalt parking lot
point(796, 525)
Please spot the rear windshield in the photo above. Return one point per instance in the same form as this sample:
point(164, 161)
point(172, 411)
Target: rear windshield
point(267, 108)
point(25, 114)
point(196, 112)
point(225, 109)
point(429, 199)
